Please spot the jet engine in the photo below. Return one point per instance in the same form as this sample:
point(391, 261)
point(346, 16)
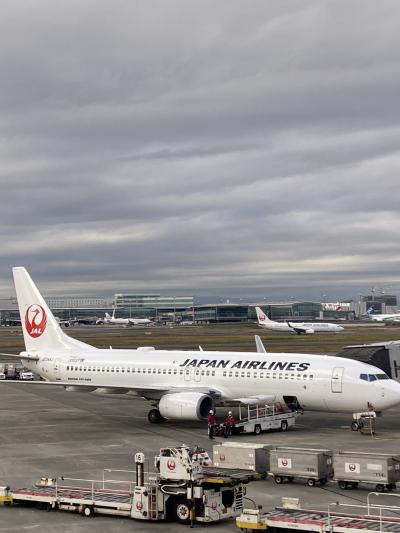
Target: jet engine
point(185, 405)
point(309, 331)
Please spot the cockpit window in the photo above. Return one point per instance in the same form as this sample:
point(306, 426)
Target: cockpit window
point(382, 376)
point(364, 377)
point(372, 377)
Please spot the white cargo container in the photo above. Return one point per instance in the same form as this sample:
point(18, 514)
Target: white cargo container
point(242, 455)
point(312, 464)
point(379, 469)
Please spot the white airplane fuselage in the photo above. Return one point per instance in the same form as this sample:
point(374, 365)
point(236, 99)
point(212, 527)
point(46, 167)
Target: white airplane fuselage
point(318, 382)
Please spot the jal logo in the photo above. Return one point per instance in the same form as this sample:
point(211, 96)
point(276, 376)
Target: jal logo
point(171, 465)
point(35, 320)
point(352, 467)
point(222, 457)
point(262, 317)
point(284, 462)
point(139, 506)
point(214, 505)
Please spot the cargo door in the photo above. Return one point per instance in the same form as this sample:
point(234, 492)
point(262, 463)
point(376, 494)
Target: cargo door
point(337, 376)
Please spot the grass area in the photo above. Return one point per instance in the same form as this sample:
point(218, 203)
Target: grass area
point(235, 337)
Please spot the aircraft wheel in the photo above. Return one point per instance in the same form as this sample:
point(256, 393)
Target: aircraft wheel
point(154, 416)
point(354, 426)
point(257, 429)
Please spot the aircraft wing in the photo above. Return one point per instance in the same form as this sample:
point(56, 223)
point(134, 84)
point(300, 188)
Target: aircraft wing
point(252, 400)
point(298, 329)
point(23, 356)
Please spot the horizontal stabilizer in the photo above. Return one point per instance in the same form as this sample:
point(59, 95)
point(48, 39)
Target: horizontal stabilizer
point(22, 355)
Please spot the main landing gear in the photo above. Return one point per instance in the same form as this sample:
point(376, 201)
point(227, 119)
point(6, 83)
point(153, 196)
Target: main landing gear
point(155, 417)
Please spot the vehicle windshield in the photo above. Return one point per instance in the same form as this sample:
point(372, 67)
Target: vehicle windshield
point(373, 377)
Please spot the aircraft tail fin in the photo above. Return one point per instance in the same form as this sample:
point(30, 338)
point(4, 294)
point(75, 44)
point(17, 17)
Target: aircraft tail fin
point(259, 345)
point(261, 316)
point(41, 330)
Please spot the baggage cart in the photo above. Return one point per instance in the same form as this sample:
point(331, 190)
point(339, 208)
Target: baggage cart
point(242, 455)
point(381, 470)
point(262, 417)
point(311, 464)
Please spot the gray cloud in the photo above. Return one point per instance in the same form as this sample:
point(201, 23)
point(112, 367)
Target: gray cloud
point(200, 146)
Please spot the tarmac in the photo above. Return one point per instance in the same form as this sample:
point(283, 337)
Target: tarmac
point(49, 432)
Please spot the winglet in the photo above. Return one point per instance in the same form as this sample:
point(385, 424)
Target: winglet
point(259, 345)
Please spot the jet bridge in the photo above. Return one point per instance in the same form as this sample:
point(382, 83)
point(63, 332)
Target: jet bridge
point(384, 355)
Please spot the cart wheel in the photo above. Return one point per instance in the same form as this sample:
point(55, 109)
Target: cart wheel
point(87, 511)
point(389, 487)
point(278, 480)
point(323, 481)
point(290, 479)
point(354, 426)
point(311, 482)
point(284, 425)
point(354, 485)
point(257, 429)
point(342, 485)
point(380, 487)
point(181, 511)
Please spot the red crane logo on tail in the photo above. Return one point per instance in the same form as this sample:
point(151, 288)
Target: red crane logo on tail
point(35, 320)
point(262, 318)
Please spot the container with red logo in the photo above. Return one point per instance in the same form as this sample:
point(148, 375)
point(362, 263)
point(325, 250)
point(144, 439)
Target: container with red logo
point(313, 465)
point(242, 455)
point(379, 469)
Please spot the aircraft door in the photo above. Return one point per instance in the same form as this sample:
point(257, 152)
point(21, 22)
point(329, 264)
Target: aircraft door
point(56, 370)
point(336, 381)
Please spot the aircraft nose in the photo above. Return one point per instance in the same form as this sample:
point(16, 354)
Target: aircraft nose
point(391, 393)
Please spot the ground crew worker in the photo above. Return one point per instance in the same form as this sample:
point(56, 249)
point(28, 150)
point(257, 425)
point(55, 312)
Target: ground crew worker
point(229, 423)
point(211, 424)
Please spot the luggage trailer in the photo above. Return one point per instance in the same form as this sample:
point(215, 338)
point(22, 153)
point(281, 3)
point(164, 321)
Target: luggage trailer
point(183, 490)
point(372, 518)
point(261, 417)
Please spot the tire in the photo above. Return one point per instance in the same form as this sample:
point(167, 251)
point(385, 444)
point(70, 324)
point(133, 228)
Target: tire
point(154, 416)
point(311, 482)
point(290, 479)
point(380, 487)
point(323, 481)
point(284, 425)
point(181, 512)
point(257, 429)
point(342, 485)
point(278, 480)
point(354, 485)
point(389, 487)
point(354, 426)
point(87, 511)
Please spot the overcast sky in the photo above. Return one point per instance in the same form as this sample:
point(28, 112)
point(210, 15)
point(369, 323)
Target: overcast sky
point(208, 147)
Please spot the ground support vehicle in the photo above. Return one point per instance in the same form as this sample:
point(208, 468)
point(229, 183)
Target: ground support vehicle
point(261, 417)
point(182, 490)
point(311, 464)
point(380, 470)
point(376, 518)
point(364, 422)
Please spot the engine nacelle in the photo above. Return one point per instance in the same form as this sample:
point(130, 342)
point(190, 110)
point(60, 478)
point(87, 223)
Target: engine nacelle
point(185, 405)
point(309, 331)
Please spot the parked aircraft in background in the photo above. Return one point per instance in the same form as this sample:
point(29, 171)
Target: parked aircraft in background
point(296, 327)
point(393, 317)
point(123, 321)
point(186, 384)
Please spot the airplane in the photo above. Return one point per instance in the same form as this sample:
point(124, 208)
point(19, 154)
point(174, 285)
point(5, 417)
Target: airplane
point(186, 385)
point(394, 317)
point(123, 321)
point(296, 327)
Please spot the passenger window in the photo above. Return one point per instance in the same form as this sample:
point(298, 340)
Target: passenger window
point(154, 371)
point(159, 371)
point(255, 375)
point(164, 371)
point(286, 376)
point(202, 373)
point(292, 376)
point(213, 372)
point(224, 373)
point(274, 376)
point(122, 369)
point(80, 369)
point(84, 368)
point(230, 374)
point(236, 374)
point(304, 376)
point(280, 376)
point(180, 372)
point(112, 369)
point(261, 375)
point(266, 376)
point(175, 371)
point(139, 370)
point(242, 374)
point(117, 370)
point(248, 374)
point(298, 376)
point(311, 376)
point(108, 370)
point(169, 371)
